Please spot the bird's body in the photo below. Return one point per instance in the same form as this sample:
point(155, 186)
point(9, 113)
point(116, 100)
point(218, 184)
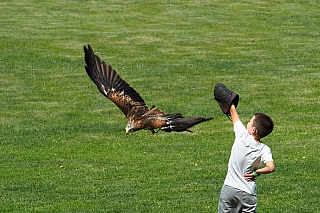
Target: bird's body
point(138, 114)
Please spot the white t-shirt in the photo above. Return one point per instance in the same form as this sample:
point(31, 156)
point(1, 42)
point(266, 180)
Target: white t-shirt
point(246, 156)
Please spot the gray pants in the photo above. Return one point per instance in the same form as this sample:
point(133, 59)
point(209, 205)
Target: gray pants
point(233, 200)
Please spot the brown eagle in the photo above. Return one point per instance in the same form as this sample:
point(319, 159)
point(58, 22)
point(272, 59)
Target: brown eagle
point(138, 114)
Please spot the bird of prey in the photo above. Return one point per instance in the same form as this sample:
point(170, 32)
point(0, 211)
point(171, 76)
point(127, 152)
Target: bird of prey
point(138, 114)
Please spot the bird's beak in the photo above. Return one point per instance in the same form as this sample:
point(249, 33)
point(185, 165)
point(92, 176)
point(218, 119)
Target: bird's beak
point(127, 132)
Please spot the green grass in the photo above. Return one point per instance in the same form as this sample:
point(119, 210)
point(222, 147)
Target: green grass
point(63, 147)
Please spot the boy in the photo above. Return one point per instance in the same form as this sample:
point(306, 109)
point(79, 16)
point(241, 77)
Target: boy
point(238, 193)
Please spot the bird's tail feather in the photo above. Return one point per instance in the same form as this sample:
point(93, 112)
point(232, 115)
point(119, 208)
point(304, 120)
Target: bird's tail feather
point(178, 123)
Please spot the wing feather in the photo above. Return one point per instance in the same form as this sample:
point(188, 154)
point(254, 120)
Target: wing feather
point(111, 85)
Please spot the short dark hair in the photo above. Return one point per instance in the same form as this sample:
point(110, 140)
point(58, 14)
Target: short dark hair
point(263, 123)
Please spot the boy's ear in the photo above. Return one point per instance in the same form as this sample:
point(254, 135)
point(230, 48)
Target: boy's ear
point(254, 130)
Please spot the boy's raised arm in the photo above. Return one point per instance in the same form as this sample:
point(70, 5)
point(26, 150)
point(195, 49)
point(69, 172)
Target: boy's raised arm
point(234, 114)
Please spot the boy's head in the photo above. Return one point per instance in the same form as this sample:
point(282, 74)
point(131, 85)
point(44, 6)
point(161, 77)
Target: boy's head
point(260, 125)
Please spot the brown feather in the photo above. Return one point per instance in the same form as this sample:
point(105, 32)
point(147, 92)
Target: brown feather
point(112, 86)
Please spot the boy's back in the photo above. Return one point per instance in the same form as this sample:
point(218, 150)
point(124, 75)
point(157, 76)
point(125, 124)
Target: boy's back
point(246, 157)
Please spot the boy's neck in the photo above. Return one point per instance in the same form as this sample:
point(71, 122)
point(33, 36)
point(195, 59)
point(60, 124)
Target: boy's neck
point(256, 139)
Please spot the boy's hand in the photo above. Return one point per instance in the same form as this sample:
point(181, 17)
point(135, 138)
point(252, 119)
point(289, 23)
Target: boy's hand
point(234, 114)
point(249, 177)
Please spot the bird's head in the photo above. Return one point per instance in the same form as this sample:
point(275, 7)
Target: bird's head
point(130, 128)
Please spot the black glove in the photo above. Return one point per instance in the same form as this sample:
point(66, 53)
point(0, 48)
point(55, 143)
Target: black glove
point(225, 98)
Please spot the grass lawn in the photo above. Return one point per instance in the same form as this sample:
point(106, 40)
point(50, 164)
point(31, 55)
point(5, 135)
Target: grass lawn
point(63, 146)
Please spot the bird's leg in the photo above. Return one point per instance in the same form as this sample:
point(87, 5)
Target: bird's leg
point(152, 131)
point(156, 131)
point(188, 130)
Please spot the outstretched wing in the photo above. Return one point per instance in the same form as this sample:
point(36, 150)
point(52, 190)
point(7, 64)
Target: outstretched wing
point(111, 85)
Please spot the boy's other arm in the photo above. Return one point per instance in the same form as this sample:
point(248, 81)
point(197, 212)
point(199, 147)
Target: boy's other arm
point(269, 167)
point(234, 114)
